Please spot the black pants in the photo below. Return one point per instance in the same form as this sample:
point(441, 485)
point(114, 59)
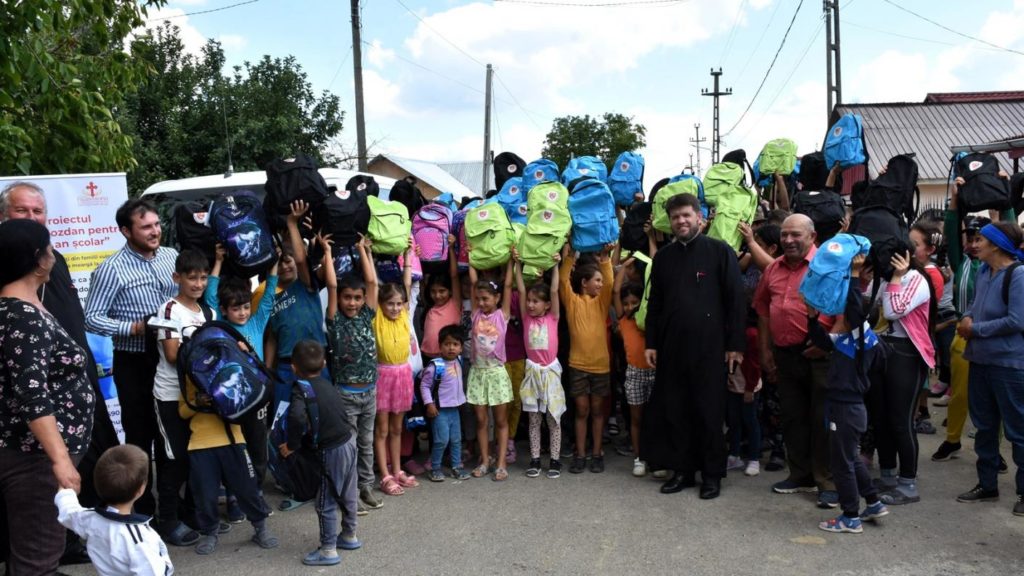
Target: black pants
point(171, 463)
point(230, 465)
point(133, 377)
point(893, 398)
point(847, 422)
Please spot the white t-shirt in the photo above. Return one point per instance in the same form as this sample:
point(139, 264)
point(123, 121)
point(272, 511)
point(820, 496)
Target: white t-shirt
point(165, 386)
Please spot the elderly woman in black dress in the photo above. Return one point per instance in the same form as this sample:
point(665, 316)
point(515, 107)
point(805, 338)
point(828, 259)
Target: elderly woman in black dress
point(46, 402)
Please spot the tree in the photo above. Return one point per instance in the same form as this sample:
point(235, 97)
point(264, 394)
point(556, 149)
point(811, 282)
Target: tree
point(605, 138)
point(63, 70)
point(189, 116)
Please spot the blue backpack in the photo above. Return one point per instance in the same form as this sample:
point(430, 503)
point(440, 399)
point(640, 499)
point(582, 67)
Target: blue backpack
point(584, 167)
point(845, 143)
point(542, 170)
point(299, 474)
point(240, 225)
point(626, 178)
point(827, 281)
point(594, 223)
point(229, 381)
point(513, 200)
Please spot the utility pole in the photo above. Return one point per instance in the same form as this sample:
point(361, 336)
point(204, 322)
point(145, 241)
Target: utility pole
point(487, 133)
point(833, 63)
point(716, 139)
point(357, 65)
point(697, 141)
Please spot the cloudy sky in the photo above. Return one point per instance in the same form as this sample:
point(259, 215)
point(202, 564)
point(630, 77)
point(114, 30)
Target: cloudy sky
point(424, 64)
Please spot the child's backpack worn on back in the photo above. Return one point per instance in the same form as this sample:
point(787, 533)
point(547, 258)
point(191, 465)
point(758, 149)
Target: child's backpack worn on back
point(546, 232)
point(681, 184)
point(300, 473)
point(825, 208)
point(491, 235)
point(513, 200)
point(545, 195)
point(344, 215)
point(632, 236)
point(584, 167)
point(389, 227)
point(827, 282)
point(983, 189)
point(594, 223)
point(777, 156)
point(430, 228)
point(845, 143)
point(229, 381)
point(507, 165)
point(191, 231)
point(626, 179)
point(241, 227)
point(724, 188)
point(896, 189)
point(288, 181)
point(542, 170)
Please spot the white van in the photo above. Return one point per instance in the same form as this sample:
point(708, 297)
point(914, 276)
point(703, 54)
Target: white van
point(207, 188)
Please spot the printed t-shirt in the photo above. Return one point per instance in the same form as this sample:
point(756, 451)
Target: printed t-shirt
point(489, 339)
point(354, 349)
point(166, 387)
point(540, 334)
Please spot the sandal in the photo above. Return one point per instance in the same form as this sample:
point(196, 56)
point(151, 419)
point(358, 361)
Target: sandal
point(500, 475)
point(480, 471)
point(407, 481)
point(390, 486)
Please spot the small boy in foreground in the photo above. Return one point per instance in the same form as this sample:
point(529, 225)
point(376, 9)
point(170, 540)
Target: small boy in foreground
point(119, 542)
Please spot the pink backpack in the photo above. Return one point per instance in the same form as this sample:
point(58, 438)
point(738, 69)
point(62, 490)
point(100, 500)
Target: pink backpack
point(459, 225)
point(431, 227)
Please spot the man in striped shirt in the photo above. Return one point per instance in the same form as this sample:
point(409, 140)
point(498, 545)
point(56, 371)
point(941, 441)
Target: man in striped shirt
point(125, 290)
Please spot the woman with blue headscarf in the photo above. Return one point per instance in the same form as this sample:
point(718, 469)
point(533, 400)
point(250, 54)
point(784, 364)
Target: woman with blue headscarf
point(994, 330)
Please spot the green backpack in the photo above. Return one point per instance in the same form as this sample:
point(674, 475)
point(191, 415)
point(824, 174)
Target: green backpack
point(547, 194)
point(547, 229)
point(390, 226)
point(679, 185)
point(779, 155)
point(725, 190)
point(641, 313)
point(491, 236)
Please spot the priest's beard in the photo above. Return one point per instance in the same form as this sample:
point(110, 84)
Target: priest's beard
point(686, 239)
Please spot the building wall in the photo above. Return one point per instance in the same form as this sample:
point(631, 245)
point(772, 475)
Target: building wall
point(387, 168)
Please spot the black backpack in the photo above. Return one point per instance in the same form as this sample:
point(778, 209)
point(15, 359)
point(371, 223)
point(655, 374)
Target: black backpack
point(239, 224)
point(344, 215)
point(1017, 193)
point(408, 194)
point(507, 165)
point(824, 207)
point(363, 184)
point(896, 189)
point(632, 236)
point(813, 172)
point(888, 233)
point(288, 181)
point(983, 189)
point(191, 231)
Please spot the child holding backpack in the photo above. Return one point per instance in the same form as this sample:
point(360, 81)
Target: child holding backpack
point(541, 391)
point(639, 374)
point(316, 420)
point(589, 361)
point(489, 385)
point(393, 334)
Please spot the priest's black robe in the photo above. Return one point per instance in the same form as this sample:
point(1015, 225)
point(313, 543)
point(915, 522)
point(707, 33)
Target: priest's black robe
point(695, 314)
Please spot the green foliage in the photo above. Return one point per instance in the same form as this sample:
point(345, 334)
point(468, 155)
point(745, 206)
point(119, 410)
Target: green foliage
point(63, 70)
point(187, 116)
point(605, 138)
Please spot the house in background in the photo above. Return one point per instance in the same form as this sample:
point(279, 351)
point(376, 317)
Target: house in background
point(980, 121)
point(432, 178)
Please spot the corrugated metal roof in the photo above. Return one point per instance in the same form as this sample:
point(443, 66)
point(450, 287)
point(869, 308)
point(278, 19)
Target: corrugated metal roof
point(470, 174)
point(929, 129)
point(950, 97)
point(432, 174)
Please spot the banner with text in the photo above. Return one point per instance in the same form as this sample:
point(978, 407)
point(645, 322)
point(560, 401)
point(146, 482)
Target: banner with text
point(80, 216)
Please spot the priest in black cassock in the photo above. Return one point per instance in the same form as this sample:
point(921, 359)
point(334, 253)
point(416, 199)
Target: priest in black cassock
point(695, 336)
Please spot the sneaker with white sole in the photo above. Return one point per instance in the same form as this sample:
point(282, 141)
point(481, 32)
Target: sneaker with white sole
point(734, 463)
point(659, 474)
point(639, 468)
point(842, 523)
point(753, 468)
point(874, 511)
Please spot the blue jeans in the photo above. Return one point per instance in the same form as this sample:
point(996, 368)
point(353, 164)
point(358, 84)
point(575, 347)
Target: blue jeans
point(996, 394)
point(447, 430)
point(742, 417)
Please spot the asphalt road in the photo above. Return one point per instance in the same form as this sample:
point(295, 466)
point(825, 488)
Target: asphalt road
point(612, 523)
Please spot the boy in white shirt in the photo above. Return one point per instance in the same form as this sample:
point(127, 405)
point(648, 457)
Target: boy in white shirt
point(119, 542)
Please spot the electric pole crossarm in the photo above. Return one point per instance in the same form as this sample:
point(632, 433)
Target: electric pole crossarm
point(715, 128)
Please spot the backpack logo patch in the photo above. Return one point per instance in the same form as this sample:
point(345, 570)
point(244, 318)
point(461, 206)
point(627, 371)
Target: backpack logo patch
point(552, 195)
point(624, 167)
point(538, 174)
point(513, 191)
point(547, 215)
point(974, 165)
point(200, 217)
point(482, 215)
point(512, 168)
point(835, 247)
point(584, 171)
point(522, 209)
point(837, 131)
point(361, 186)
point(345, 194)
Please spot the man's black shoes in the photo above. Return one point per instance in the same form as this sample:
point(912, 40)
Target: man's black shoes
point(710, 488)
point(678, 482)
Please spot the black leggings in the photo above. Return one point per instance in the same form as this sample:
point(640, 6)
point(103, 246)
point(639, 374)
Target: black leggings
point(893, 399)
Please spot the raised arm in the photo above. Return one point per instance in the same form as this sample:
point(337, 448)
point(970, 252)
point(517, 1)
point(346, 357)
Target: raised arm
point(556, 310)
point(506, 293)
point(617, 288)
point(564, 286)
point(299, 208)
point(330, 276)
point(609, 277)
point(369, 271)
point(407, 275)
point(521, 286)
point(781, 193)
point(453, 270)
point(472, 288)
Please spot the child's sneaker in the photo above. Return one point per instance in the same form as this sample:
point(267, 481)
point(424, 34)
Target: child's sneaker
point(436, 476)
point(234, 512)
point(460, 474)
point(874, 512)
point(842, 524)
point(554, 469)
point(753, 468)
point(639, 468)
point(533, 470)
point(579, 464)
point(734, 463)
point(207, 544)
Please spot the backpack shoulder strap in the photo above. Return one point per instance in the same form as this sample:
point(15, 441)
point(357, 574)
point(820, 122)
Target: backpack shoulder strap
point(207, 311)
point(312, 408)
point(439, 370)
point(1007, 278)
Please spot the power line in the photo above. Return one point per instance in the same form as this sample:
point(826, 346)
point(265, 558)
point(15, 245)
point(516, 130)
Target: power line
point(497, 124)
point(441, 36)
point(228, 7)
point(434, 72)
point(948, 29)
point(769, 70)
point(732, 33)
point(338, 70)
point(516, 100)
point(764, 31)
point(918, 38)
point(595, 5)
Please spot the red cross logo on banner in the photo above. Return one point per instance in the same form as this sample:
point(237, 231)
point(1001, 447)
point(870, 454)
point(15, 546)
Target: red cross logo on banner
point(92, 188)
